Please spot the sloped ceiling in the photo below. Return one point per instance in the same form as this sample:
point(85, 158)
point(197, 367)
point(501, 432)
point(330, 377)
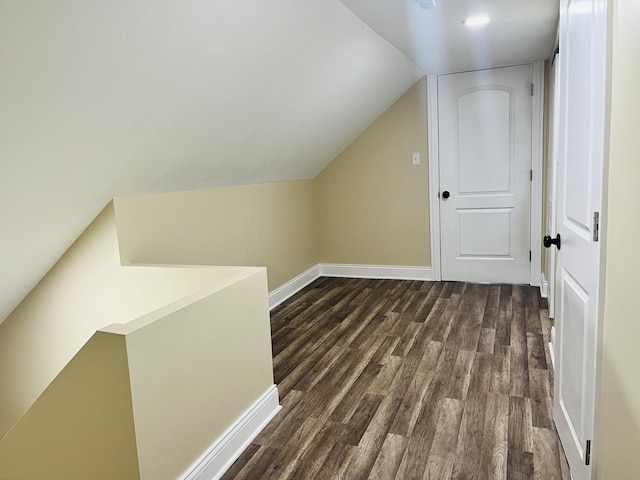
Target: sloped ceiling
point(106, 98)
point(109, 98)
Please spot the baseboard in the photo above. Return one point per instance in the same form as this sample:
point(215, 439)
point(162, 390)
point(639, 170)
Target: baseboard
point(292, 287)
point(544, 286)
point(391, 272)
point(221, 455)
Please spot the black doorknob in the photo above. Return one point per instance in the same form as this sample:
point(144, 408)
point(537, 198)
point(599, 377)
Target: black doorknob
point(548, 241)
point(446, 194)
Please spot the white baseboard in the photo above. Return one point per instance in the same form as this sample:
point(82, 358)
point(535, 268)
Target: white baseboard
point(292, 287)
point(376, 271)
point(544, 286)
point(391, 272)
point(221, 455)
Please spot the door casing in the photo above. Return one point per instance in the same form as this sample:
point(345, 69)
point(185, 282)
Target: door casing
point(554, 118)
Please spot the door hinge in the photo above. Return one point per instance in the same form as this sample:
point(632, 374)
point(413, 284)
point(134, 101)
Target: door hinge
point(596, 226)
point(532, 89)
point(587, 454)
point(529, 255)
point(531, 175)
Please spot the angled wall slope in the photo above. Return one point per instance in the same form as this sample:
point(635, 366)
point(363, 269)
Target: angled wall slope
point(86, 290)
point(105, 99)
point(111, 371)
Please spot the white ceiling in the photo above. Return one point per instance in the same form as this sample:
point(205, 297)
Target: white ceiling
point(438, 42)
point(108, 98)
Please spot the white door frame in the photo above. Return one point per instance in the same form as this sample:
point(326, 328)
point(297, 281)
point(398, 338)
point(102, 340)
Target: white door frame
point(552, 174)
point(536, 166)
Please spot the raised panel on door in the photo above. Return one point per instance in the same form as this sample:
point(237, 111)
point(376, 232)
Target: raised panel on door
point(484, 232)
point(484, 140)
point(484, 125)
point(572, 373)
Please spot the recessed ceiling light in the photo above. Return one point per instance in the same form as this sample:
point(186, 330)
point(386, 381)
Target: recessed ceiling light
point(426, 4)
point(476, 20)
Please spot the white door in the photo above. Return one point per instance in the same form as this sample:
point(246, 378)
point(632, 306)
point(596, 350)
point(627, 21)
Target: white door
point(484, 138)
point(554, 93)
point(582, 127)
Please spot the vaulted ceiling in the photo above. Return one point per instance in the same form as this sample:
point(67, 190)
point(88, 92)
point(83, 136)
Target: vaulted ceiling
point(107, 98)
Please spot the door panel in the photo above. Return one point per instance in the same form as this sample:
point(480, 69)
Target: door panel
point(574, 309)
point(484, 232)
point(579, 196)
point(485, 160)
point(484, 128)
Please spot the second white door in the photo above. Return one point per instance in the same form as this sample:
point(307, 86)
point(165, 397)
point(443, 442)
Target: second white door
point(582, 134)
point(484, 137)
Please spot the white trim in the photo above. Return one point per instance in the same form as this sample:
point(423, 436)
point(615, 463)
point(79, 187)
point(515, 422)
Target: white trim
point(391, 272)
point(221, 455)
point(434, 174)
point(552, 180)
point(537, 152)
point(537, 129)
point(544, 286)
point(293, 286)
point(552, 352)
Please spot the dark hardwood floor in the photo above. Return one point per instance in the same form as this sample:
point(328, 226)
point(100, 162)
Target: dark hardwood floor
point(387, 379)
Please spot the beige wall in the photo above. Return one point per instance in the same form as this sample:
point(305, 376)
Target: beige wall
point(368, 206)
point(144, 400)
point(196, 371)
point(270, 224)
point(619, 418)
point(82, 425)
point(86, 290)
point(372, 205)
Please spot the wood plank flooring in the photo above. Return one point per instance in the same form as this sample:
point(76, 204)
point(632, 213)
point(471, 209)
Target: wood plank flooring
point(389, 379)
